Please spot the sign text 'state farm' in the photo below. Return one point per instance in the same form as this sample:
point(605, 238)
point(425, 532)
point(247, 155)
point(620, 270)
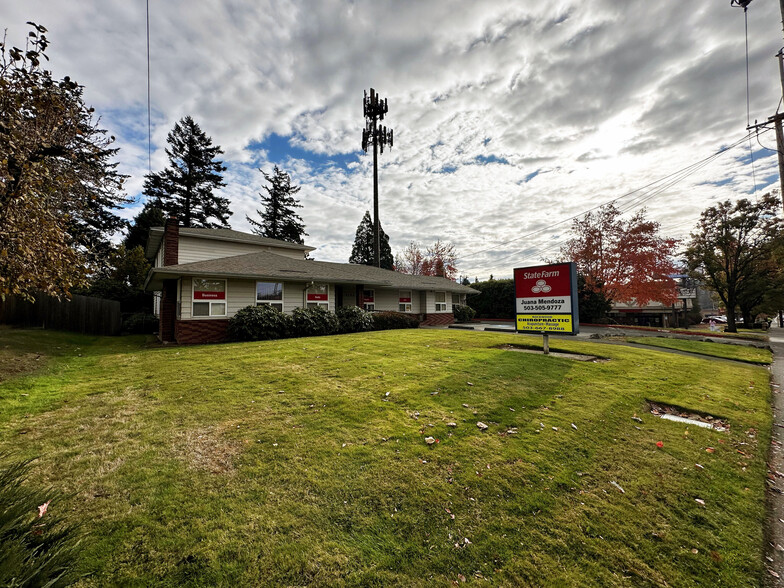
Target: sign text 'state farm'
point(546, 298)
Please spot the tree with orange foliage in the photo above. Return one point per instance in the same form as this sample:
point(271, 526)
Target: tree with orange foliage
point(625, 260)
point(438, 259)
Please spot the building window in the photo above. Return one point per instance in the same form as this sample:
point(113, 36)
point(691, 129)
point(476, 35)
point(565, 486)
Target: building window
point(455, 299)
point(440, 301)
point(369, 299)
point(404, 301)
point(270, 293)
point(209, 297)
point(317, 295)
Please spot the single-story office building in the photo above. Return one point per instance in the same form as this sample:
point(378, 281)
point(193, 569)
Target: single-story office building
point(202, 277)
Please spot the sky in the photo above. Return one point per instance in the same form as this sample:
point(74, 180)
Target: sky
point(510, 117)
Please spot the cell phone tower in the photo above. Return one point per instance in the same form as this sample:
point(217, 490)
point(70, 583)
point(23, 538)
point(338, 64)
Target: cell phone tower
point(377, 135)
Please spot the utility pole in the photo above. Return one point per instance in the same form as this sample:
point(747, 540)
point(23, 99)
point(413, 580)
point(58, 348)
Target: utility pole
point(776, 119)
point(374, 109)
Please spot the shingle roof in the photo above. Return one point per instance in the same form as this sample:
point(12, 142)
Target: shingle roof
point(265, 265)
point(156, 236)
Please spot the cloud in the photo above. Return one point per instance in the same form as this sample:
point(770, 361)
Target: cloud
point(509, 117)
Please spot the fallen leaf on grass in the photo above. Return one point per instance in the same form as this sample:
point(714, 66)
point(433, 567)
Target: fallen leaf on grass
point(43, 508)
point(699, 501)
point(710, 450)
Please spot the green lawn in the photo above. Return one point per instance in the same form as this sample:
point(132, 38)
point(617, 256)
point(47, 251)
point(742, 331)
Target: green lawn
point(304, 461)
point(723, 350)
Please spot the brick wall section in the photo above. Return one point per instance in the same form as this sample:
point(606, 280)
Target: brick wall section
point(168, 311)
point(171, 241)
point(442, 318)
point(193, 332)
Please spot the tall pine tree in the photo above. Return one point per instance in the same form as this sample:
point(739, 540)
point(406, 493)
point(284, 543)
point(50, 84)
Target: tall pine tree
point(278, 219)
point(363, 251)
point(151, 215)
point(185, 188)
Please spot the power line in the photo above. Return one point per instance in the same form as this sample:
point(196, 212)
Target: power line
point(149, 108)
point(690, 169)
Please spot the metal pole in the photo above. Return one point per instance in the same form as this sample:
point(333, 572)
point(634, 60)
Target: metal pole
point(546, 343)
point(376, 224)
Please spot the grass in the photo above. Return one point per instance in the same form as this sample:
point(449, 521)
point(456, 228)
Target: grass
point(722, 350)
point(304, 462)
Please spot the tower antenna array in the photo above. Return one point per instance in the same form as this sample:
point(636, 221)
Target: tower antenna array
point(378, 136)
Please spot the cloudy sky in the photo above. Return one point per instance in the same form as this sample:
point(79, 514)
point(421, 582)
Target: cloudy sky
point(509, 117)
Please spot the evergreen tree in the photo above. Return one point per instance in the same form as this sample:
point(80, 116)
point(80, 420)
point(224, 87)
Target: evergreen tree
point(278, 219)
point(151, 215)
point(185, 188)
point(363, 251)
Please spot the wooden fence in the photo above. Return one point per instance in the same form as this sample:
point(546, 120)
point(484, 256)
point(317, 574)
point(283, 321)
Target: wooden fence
point(82, 314)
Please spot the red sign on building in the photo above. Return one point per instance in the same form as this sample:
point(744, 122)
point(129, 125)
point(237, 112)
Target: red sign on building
point(314, 297)
point(206, 295)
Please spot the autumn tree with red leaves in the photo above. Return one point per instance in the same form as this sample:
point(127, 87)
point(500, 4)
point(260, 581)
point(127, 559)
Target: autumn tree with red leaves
point(438, 259)
point(625, 260)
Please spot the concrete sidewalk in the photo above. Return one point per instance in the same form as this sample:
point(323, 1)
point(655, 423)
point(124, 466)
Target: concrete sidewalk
point(775, 527)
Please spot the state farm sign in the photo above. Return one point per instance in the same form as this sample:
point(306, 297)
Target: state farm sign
point(546, 298)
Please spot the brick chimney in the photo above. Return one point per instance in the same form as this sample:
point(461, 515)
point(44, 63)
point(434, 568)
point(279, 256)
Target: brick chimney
point(171, 241)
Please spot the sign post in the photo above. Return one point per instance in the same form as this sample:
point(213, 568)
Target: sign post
point(546, 300)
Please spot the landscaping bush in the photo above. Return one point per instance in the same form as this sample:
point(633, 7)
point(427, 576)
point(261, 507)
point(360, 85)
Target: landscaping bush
point(35, 549)
point(352, 319)
point(463, 313)
point(496, 301)
point(383, 321)
point(314, 321)
point(139, 323)
point(258, 323)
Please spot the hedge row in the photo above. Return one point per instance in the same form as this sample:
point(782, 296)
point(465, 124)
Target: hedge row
point(256, 323)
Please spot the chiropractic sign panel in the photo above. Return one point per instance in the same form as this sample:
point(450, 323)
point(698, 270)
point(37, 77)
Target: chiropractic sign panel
point(546, 298)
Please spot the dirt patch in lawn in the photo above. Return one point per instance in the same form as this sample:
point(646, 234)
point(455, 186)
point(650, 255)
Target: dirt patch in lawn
point(208, 450)
point(561, 354)
point(13, 364)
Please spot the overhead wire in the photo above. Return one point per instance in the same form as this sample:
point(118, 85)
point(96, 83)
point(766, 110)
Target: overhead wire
point(748, 97)
point(149, 102)
point(661, 184)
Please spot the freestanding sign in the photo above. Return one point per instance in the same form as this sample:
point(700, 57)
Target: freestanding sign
point(546, 299)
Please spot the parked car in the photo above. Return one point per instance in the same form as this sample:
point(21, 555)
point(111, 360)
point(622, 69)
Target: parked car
point(719, 320)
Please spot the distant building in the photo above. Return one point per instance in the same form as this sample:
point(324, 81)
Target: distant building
point(657, 314)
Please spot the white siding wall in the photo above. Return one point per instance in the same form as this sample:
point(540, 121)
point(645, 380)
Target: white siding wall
point(159, 256)
point(242, 293)
point(389, 299)
point(429, 298)
point(194, 249)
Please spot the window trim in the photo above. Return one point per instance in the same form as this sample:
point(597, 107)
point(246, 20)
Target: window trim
point(402, 304)
point(273, 303)
point(437, 304)
point(224, 301)
point(317, 303)
point(369, 306)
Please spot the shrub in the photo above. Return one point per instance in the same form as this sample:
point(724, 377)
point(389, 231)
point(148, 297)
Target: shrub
point(497, 299)
point(463, 313)
point(36, 550)
point(257, 323)
point(383, 321)
point(353, 319)
point(314, 321)
point(139, 323)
